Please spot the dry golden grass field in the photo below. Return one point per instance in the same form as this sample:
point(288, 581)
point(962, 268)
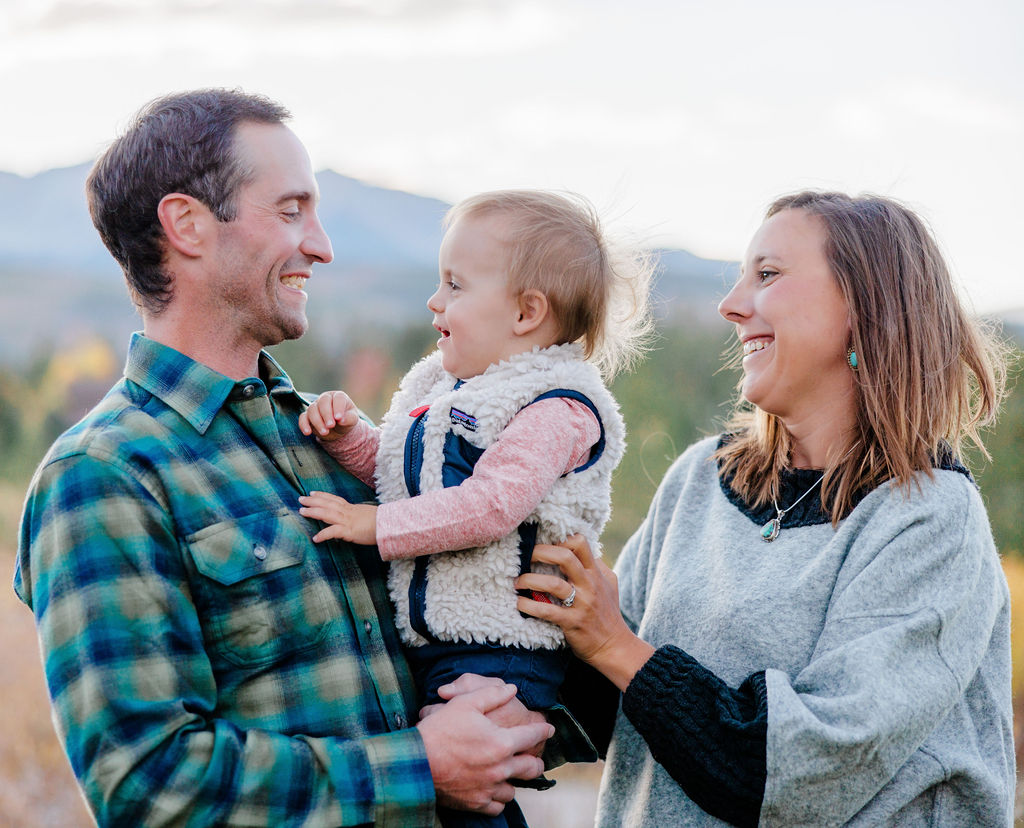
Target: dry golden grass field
point(37, 789)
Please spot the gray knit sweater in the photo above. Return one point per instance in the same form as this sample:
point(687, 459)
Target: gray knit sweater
point(884, 647)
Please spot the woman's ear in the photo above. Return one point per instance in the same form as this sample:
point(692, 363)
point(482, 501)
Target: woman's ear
point(184, 220)
point(533, 310)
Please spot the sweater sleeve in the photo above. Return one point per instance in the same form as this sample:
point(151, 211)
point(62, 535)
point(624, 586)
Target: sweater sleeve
point(915, 611)
point(709, 737)
point(542, 442)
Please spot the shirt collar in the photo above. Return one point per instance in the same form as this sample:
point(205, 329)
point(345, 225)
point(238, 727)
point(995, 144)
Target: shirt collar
point(193, 390)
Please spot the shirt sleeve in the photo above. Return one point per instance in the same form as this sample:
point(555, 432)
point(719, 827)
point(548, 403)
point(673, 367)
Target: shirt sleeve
point(356, 451)
point(541, 443)
point(135, 695)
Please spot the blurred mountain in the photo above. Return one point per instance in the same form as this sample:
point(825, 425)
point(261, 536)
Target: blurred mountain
point(59, 285)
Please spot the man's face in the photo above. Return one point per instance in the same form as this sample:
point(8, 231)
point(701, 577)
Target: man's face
point(264, 257)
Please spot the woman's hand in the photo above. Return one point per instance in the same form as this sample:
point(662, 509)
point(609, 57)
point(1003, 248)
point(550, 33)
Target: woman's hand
point(592, 622)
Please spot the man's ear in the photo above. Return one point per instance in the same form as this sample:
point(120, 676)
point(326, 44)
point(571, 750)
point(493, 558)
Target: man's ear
point(185, 220)
point(533, 310)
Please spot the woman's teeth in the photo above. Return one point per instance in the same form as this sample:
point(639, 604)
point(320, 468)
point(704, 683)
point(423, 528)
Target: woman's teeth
point(755, 345)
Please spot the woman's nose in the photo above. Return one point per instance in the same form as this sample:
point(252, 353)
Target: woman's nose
point(736, 305)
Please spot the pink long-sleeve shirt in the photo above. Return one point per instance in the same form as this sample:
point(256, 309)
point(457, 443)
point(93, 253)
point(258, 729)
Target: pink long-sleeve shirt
point(542, 442)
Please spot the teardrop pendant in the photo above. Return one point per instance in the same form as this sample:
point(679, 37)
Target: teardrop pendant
point(770, 531)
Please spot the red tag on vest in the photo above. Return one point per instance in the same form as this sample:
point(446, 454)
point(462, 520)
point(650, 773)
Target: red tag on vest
point(417, 411)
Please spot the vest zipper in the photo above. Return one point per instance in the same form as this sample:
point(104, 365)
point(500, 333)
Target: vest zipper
point(418, 584)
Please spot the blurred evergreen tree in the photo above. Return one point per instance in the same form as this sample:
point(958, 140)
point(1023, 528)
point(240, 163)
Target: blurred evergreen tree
point(677, 395)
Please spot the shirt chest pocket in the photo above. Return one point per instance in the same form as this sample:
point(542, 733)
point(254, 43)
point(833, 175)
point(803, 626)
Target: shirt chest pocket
point(260, 589)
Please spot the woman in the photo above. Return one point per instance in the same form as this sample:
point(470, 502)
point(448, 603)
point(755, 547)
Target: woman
point(816, 624)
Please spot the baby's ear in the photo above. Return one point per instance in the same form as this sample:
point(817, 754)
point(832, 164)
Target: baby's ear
point(533, 310)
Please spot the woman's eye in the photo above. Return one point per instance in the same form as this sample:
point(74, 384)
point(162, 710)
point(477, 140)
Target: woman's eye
point(764, 275)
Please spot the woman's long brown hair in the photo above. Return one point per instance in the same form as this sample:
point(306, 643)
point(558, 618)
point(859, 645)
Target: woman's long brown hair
point(929, 377)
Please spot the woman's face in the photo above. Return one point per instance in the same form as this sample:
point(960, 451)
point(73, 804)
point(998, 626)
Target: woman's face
point(792, 322)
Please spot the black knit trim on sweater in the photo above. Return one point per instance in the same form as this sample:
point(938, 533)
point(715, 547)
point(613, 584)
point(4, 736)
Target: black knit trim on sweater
point(711, 738)
point(794, 482)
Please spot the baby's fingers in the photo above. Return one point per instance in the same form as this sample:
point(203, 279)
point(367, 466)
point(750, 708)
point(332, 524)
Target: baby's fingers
point(332, 532)
point(343, 409)
point(321, 414)
point(322, 499)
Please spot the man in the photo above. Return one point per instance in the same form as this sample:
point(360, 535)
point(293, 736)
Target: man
point(207, 663)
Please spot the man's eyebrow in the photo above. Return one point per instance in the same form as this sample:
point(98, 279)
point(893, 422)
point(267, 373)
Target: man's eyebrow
point(299, 195)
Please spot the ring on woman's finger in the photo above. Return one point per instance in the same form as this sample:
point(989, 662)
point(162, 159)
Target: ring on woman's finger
point(572, 597)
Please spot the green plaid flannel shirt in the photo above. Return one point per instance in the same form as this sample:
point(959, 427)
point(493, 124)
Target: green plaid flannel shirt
point(207, 663)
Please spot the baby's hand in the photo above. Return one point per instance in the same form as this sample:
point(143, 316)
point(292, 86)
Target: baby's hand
point(355, 522)
point(329, 416)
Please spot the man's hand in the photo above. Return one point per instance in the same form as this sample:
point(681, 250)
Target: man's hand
point(511, 713)
point(355, 522)
point(329, 416)
point(472, 758)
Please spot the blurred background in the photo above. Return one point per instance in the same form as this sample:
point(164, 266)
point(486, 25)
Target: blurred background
point(680, 120)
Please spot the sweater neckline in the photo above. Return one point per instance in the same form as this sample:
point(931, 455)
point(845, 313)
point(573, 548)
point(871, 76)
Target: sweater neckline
point(795, 482)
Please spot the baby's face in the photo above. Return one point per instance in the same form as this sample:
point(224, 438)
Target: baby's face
point(473, 308)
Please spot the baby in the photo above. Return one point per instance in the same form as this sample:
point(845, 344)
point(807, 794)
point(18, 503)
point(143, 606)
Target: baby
point(504, 437)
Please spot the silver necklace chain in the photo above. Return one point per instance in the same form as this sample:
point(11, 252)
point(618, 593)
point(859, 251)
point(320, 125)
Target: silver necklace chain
point(770, 531)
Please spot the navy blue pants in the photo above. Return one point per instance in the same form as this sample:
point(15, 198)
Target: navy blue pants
point(537, 675)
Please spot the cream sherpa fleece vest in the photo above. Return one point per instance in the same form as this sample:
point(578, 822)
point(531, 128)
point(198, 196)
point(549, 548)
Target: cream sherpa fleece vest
point(469, 593)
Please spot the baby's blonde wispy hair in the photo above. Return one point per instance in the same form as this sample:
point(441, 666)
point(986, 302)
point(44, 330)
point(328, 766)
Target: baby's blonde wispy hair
point(598, 289)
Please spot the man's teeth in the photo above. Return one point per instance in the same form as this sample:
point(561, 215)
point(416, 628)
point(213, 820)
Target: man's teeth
point(755, 345)
point(294, 281)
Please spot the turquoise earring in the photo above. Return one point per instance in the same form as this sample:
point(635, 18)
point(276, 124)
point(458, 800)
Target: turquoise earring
point(851, 358)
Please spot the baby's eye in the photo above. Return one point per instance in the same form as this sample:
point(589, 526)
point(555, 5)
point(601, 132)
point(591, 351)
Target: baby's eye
point(766, 274)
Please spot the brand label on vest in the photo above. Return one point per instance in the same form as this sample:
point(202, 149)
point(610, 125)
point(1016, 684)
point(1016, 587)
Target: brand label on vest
point(461, 418)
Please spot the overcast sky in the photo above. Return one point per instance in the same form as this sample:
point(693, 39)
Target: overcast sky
point(680, 120)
